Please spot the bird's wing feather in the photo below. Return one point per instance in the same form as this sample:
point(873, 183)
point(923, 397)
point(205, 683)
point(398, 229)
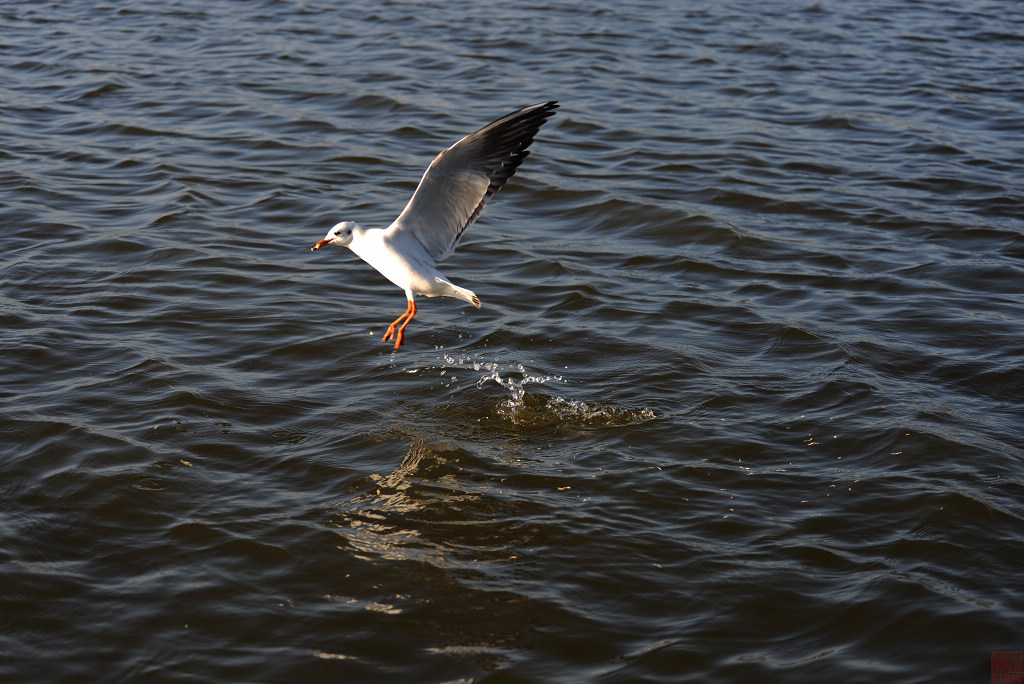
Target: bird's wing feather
point(461, 179)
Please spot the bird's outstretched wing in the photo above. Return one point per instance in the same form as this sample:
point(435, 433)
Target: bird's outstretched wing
point(461, 179)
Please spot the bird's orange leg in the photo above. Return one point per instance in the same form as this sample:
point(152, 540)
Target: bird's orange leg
point(410, 311)
point(401, 331)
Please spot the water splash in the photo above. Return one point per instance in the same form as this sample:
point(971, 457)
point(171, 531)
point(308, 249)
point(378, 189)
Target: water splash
point(536, 409)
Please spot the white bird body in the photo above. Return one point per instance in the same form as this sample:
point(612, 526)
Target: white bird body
point(449, 197)
point(400, 258)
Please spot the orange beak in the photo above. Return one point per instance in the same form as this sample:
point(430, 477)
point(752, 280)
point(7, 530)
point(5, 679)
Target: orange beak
point(318, 245)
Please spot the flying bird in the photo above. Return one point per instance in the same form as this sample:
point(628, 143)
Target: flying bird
point(450, 196)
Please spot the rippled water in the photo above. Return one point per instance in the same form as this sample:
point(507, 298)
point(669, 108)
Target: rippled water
point(743, 402)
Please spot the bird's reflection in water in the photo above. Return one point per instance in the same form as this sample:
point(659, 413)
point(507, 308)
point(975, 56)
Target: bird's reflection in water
point(442, 523)
point(425, 509)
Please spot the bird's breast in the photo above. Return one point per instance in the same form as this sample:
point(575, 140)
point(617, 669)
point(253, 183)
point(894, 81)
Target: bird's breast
point(404, 262)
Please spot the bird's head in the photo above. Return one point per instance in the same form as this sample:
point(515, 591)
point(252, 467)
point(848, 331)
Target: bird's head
point(340, 235)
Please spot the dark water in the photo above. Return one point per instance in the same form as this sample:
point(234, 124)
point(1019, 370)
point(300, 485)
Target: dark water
point(743, 402)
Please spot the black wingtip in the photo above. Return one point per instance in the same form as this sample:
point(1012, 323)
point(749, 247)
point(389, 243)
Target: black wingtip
point(544, 109)
point(512, 134)
point(506, 140)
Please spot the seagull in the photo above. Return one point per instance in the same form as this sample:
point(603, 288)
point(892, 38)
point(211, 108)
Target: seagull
point(450, 196)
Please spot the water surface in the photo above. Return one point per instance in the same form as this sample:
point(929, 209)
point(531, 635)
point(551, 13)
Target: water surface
point(743, 401)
